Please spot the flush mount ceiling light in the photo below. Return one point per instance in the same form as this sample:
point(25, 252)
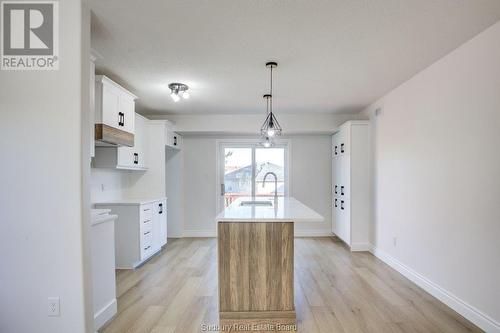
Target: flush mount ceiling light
point(177, 90)
point(271, 127)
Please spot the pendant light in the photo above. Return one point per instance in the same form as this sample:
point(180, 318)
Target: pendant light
point(267, 141)
point(271, 127)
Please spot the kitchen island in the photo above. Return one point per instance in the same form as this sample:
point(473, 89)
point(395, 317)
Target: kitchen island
point(255, 258)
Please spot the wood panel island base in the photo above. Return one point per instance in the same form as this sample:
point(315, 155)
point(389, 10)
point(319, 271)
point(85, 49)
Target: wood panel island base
point(256, 273)
point(255, 258)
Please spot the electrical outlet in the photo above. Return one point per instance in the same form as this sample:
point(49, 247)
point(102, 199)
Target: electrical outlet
point(53, 307)
point(394, 241)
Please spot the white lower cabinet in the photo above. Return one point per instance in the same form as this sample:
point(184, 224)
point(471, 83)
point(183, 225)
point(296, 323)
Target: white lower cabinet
point(351, 184)
point(342, 212)
point(140, 230)
point(160, 224)
point(103, 266)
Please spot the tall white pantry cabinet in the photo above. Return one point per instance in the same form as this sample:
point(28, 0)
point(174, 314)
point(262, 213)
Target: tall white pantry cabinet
point(351, 194)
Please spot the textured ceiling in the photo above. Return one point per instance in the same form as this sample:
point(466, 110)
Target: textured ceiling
point(334, 56)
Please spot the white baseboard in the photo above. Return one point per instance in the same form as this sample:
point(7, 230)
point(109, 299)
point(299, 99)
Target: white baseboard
point(199, 233)
point(102, 316)
point(480, 319)
point(360, 247)
point(312, 232)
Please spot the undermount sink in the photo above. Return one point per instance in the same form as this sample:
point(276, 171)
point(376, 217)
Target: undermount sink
point(256, 203)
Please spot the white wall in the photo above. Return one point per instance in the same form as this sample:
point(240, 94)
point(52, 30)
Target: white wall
point(310, 181)
point(437, 180)
point(311, 178)
point(41, 193)
point(109, 184)
point(305, 123)
point(174, 186)
point(199, 185)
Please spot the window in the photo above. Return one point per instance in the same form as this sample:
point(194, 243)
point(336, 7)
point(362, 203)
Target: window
point(243, 166)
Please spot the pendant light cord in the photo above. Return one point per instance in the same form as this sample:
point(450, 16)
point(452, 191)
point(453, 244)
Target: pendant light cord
point(271, 93)
point(267, 105)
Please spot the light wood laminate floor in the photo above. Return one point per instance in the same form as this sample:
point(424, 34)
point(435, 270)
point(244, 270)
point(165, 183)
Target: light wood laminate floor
point(335, 291)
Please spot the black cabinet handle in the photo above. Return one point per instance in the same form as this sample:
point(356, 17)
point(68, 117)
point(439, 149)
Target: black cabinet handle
point(336, 189)
point(342, 190)
point(336, 203)
point(147, 232)
point(342, 148)
point(121, 119)
point(175, 140)
point(336, 153)
point(146, 248)
point(136, 158)
point(160, 209)
point(342, 204)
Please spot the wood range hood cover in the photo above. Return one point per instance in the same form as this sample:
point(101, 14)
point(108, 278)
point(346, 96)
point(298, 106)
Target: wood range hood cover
point(106, 135)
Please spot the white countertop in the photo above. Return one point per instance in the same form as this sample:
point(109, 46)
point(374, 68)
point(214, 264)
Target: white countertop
point(129, 201)
point(99, 216)
point(286, 209)
point(97, 212)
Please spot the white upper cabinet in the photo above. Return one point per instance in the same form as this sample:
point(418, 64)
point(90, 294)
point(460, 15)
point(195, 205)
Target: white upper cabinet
point(340, 143)
point(172, 138)
point(127, 106)
point(114, 105)
point(134, 157)
point(129, 158)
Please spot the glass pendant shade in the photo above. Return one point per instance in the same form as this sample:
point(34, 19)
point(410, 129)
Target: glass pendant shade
point(267, 142)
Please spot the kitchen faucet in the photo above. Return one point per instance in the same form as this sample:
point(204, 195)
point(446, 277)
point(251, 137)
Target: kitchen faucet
point(275, 183)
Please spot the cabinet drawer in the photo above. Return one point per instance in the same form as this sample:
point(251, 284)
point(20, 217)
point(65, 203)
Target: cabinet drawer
point(146, 212)
point(146, 232)
point(146, 238)
point(146, 245)
point(146, 225)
